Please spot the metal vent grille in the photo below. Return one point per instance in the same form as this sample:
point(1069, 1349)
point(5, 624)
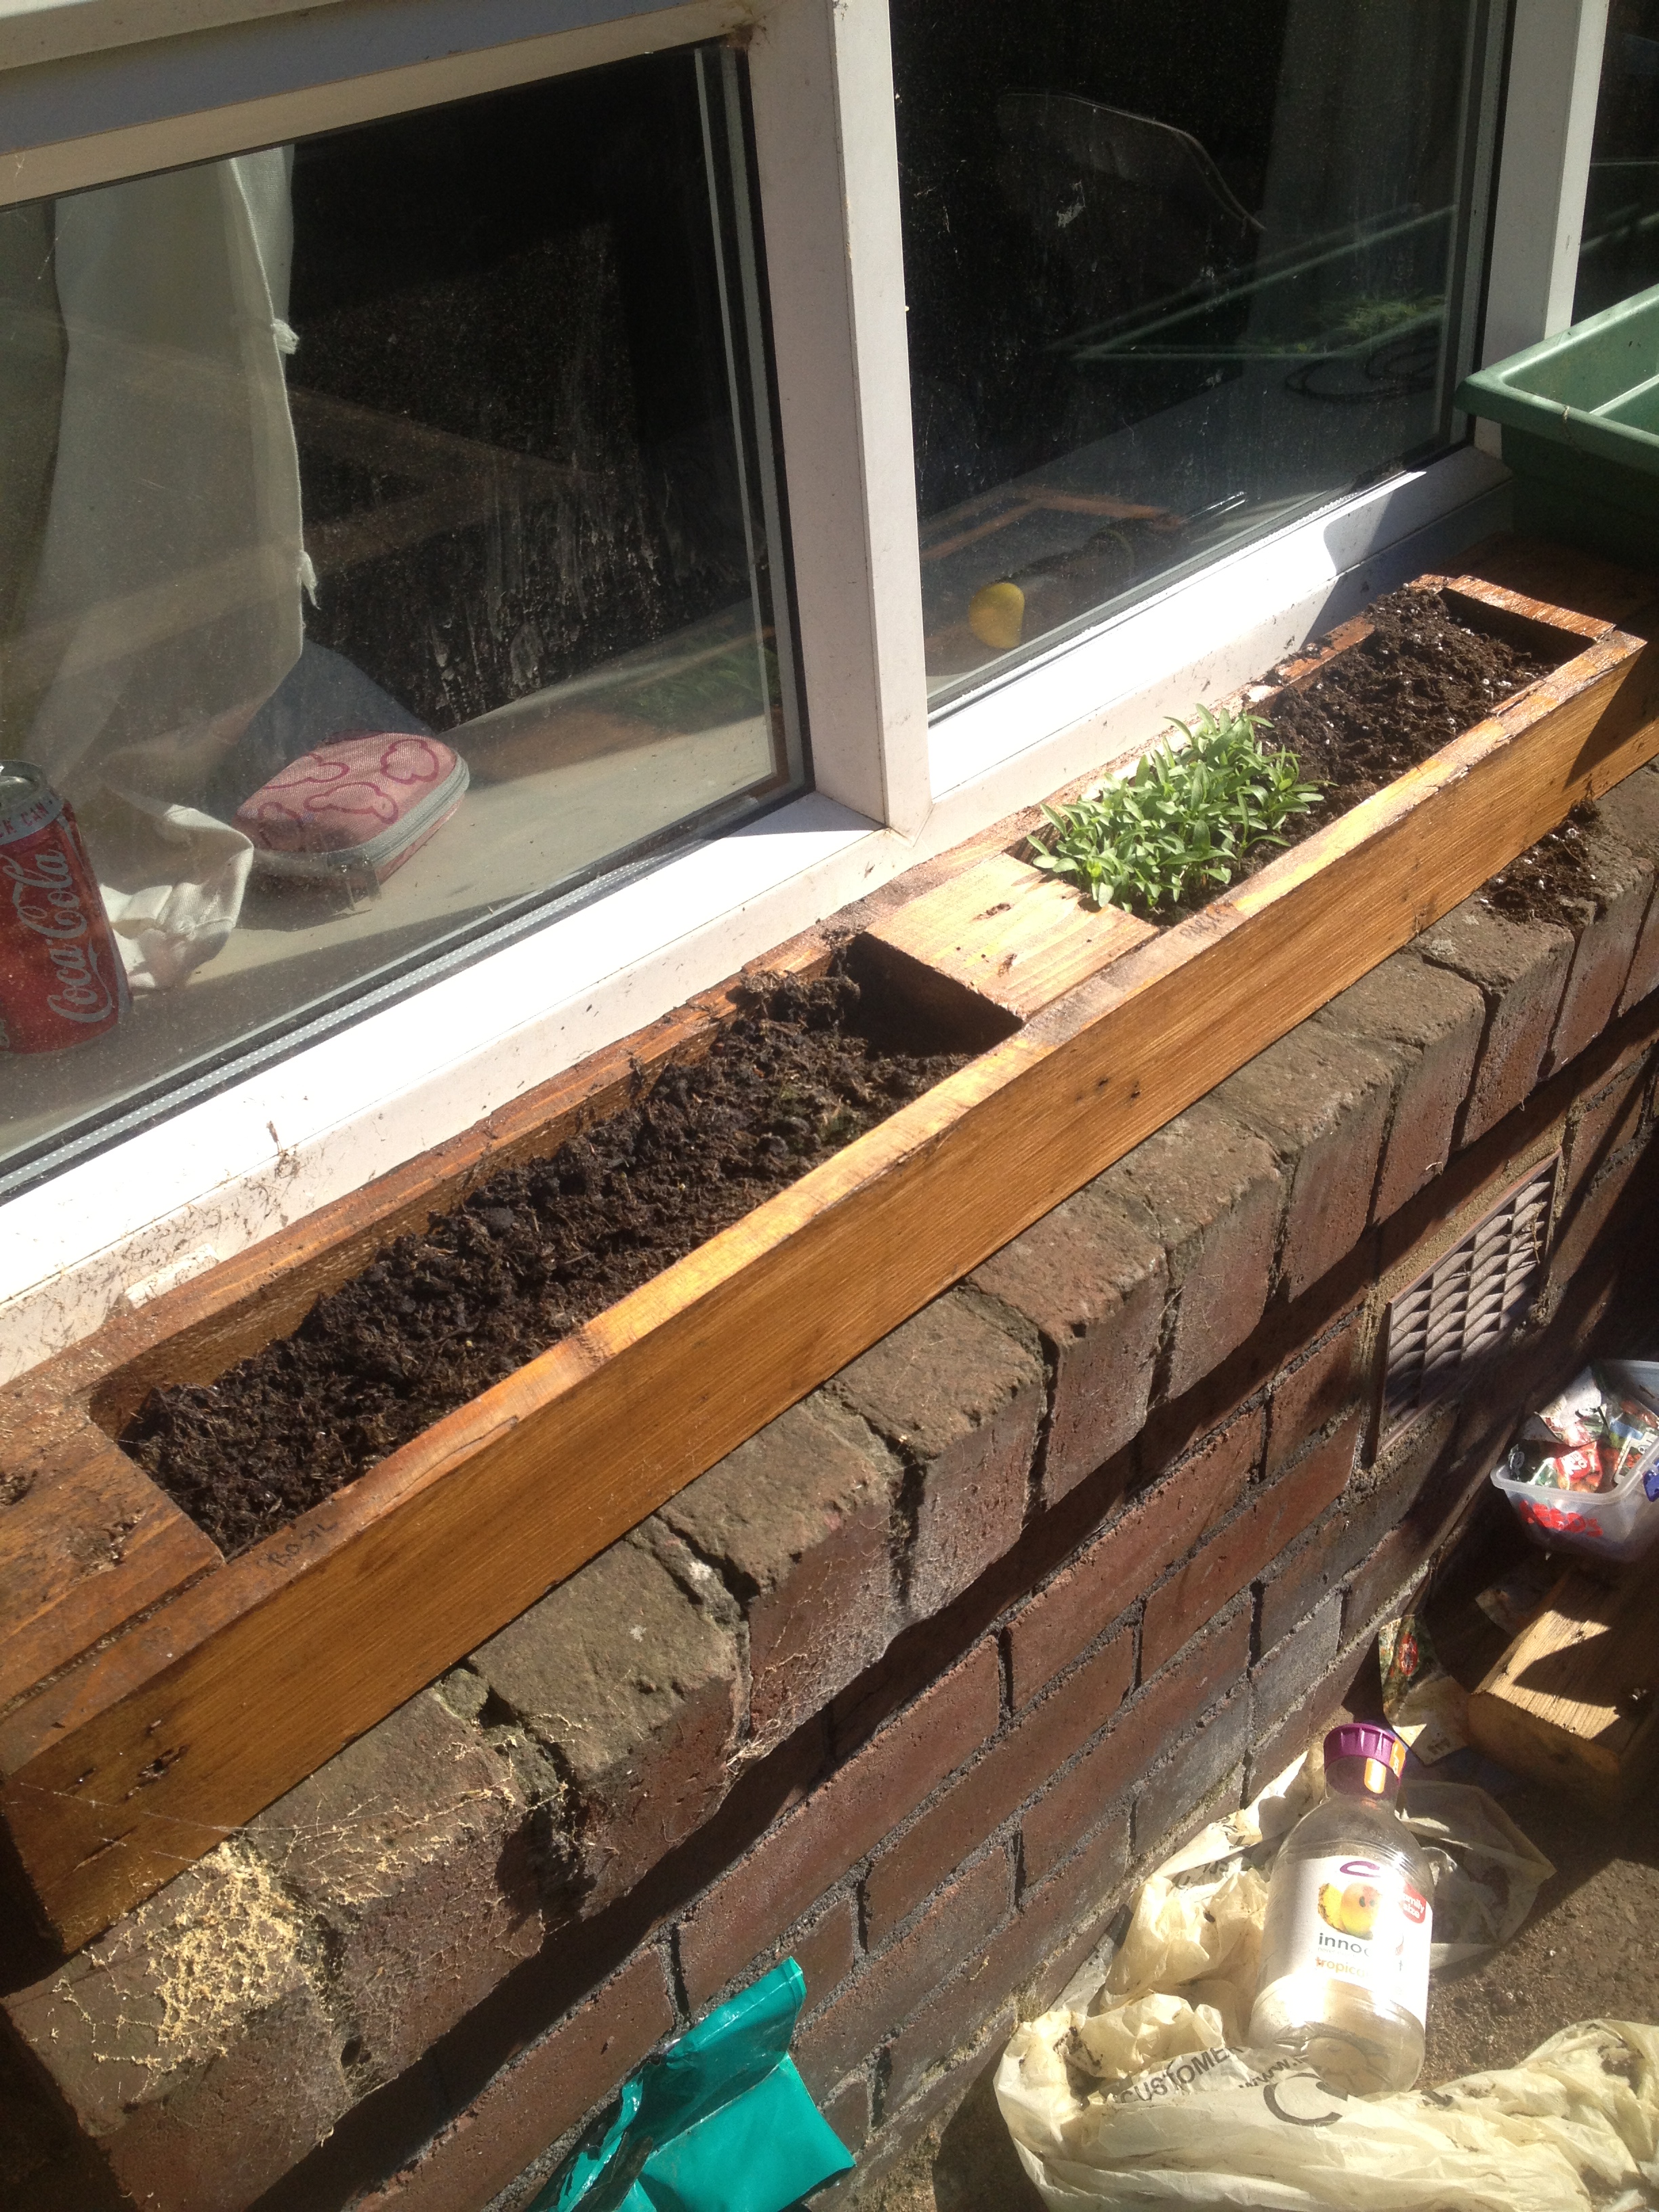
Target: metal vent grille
point(1467, 1302)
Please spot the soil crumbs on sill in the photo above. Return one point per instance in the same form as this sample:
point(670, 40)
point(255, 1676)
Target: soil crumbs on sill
point(533, 1252)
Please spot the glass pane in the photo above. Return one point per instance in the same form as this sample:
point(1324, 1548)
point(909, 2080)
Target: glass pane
point(1175, 274)
point(389, 541)
point(1618, 247)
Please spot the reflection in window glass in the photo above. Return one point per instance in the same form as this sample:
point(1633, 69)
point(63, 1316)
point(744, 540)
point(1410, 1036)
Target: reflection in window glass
point(1174, 274)
point(1618, 247)
point(389, 540)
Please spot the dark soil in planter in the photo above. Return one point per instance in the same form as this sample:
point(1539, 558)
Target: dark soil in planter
point(1421, 678)
point(534, 1252)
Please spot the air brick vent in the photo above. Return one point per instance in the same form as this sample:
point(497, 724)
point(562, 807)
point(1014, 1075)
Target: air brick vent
point(1471, 1299)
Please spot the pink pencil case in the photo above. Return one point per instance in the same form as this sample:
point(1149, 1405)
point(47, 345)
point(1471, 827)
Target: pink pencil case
point(358, 804)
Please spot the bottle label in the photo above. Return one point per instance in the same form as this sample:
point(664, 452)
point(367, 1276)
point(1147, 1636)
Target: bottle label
point(1361, 1922)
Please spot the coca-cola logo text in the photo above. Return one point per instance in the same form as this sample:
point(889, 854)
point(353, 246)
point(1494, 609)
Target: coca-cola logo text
point(45, 900)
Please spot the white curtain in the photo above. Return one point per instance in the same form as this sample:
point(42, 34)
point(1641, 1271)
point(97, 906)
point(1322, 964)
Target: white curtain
point(166, 601)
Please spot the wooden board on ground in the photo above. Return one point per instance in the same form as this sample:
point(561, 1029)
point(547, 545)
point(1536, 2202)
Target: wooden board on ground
point(1575, 1699)
point(136, 1759)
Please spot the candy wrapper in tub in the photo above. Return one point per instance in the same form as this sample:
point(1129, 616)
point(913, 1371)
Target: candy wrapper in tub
point(1584, 1474)
point(359, 804)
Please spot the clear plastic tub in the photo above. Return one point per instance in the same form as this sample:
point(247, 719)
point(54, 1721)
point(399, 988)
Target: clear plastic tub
point(1614, 1524)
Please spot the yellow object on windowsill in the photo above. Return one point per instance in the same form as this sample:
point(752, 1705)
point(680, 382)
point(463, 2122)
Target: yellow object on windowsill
point(996, 614)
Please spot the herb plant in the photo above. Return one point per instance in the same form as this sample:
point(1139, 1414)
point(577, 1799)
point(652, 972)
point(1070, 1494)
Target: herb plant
point(1182, 821)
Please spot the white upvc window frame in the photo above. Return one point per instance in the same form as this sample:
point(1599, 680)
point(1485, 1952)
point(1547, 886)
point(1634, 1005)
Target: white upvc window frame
point(170, 80)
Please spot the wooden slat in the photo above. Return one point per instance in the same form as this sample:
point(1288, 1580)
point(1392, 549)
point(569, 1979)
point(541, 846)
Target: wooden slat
point(1575, 1699)
point(1567, 580)
point(1471, 593)
point(1004, 931)
point(137, 1760)
point(86, 1548)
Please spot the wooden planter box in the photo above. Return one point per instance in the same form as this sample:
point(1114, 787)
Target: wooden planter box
point(156, 1695)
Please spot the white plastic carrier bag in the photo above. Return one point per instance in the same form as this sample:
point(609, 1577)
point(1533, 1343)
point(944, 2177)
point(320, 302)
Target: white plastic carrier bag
point(1138, 2090)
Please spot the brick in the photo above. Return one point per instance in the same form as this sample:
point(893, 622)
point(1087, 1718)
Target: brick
point(44, 2165)
point(409, 1849)
point(825, 1950)
point(1398, 1557)
point(190, 2043)
point(1644, 975)
point(539, 2097)
point(1281, 1678)
point(1190, 1776)
point(848, 2111)
point(1302, 1576)
point(1606, 1120)
point(961, 1400)
point(1141, 1544)
point(1601, 962)
point(808, 1850)
point(1521, 970)
point(1092, 1278)
point(1321, 1101)
point(35, 2139)
point(634, 1689)
point(799, 1519)
point(1318, 1387)
point(1630, 810)
point(894, 1984)
point(954, 2017)
point(1237, 1553)
point(1431, 1021)
point(1598, 1212)
point(1212, 1193)
point(1153, 1719)
point(1071, 1807)
point(898, 2132)
point(989, 1791)
point(1306, 1722)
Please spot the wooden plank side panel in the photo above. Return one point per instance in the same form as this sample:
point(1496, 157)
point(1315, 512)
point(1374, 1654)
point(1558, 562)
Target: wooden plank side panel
point(85, 1549)
point(137, 1761)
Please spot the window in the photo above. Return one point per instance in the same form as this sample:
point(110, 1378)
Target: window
point(1175, 276)
point(1164, 306)
point(1618, 253)
point(390, 540)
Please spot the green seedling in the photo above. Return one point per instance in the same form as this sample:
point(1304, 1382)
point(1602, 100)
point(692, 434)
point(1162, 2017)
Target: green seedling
point(1182, 823)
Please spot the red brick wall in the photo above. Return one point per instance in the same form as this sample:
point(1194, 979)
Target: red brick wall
point(916, 1681)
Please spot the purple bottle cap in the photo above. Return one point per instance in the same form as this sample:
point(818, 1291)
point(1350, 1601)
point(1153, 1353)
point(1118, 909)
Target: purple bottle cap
point(1379, 1754)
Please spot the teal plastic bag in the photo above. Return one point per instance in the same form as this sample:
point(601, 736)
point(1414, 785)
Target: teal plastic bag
point(721, 2122)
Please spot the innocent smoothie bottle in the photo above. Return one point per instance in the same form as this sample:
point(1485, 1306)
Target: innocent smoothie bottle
point(1345, 1956)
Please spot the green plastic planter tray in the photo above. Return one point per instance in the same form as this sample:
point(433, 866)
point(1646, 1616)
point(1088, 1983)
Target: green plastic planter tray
point(1580, 419)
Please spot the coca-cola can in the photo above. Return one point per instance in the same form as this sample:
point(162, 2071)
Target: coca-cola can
point(61, 978)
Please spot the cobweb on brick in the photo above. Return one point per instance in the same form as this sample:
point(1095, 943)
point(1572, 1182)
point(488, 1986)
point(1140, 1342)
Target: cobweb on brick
point(1472, 1297)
